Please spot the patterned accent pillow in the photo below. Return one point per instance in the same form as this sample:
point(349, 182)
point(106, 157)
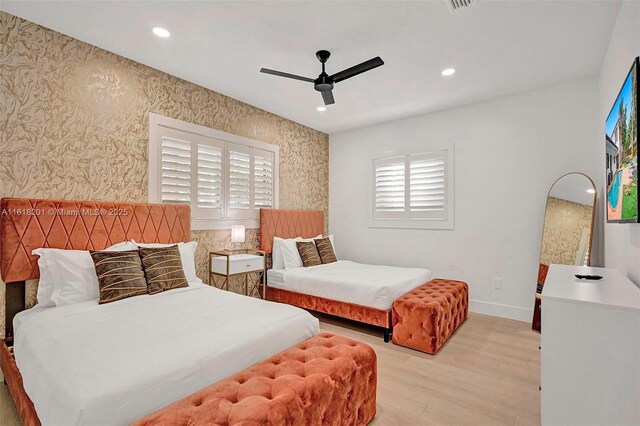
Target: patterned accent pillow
point(119, 273)
point(163, 268)
point(308, 253)
point(325, 250)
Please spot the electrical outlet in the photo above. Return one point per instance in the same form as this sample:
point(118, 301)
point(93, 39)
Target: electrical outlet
point(497, 283)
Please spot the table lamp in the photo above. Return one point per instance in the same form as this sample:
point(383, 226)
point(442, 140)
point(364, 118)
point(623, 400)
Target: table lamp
point(237, 234)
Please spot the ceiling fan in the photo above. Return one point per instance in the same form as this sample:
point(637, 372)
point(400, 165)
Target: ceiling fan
point(324, 83)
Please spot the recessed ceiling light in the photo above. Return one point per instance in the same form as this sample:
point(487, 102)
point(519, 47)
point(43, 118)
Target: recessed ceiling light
point(321, 108)
point(161, 32)
point(591, 191)
point(448, 72)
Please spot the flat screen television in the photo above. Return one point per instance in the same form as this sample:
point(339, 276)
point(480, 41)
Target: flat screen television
point(622, 152)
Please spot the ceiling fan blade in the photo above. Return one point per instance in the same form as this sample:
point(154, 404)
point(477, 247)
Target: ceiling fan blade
point(285, 74)
point(327, 97)
point(357, 69)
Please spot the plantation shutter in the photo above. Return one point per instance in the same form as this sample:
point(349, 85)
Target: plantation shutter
point(175, 171)
point(191, 172)
point(209, 180)
point(427, 185)
point(263, 178)
point(251, 181)
point(411, 187)
point(240, 172)
point(389, 188)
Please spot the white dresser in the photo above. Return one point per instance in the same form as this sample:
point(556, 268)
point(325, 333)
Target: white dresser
point(590, 348)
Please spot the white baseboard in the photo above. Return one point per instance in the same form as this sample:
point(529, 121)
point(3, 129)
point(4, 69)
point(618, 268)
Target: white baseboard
point(498, 310)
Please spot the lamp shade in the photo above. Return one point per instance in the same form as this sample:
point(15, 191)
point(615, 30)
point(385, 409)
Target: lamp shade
point(237, 234)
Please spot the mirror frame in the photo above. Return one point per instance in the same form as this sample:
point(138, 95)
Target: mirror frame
point(536, 322)
point(593, 213)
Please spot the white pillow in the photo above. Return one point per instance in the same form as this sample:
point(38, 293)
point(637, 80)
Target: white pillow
point(75, 277)
point(277, 260)
point(46, 284)
point(187, 256)
point(123, 246)
point(69, 276)
point(290, 254)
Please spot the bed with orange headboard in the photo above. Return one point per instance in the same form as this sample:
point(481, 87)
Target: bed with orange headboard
point(308, 224)
point(27, 224)
point(63, 385)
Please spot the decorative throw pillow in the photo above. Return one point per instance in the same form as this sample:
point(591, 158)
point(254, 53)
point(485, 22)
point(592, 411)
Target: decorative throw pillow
point(187, 254)
point(120, 274)
point(308, 253)
point(325, 250)
point(290, 255)
point(163, 268)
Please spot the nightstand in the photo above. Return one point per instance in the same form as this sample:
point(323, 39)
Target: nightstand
point(227, 264)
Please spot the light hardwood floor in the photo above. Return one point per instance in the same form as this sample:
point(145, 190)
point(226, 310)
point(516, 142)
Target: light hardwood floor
point(488, 373)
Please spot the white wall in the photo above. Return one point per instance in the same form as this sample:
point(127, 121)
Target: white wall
point(508, 153)
point(622, 241)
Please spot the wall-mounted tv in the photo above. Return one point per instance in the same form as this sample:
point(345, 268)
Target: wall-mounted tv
point(622, 152)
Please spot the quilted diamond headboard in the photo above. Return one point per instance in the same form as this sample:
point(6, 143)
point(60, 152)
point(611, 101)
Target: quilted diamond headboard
point(288, 224)
point(27, 224)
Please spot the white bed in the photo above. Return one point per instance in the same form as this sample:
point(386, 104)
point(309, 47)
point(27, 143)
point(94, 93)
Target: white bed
point(115, 363)
point(374, 286)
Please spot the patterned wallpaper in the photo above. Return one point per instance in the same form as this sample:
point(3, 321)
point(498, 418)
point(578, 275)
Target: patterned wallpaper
point(74, 125)
point(564, 222)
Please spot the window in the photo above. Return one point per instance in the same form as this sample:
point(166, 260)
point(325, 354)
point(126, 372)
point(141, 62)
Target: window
point(413, 191)
point(225, 178)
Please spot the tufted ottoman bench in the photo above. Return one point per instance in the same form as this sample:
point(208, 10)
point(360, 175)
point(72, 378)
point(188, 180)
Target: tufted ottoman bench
point(425, 317)
point(325, 380)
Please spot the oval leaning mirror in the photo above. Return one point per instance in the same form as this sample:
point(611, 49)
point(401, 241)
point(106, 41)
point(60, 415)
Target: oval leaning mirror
point(568, 228)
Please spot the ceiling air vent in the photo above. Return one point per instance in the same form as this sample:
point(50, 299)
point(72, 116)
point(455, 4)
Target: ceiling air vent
point(458, 4)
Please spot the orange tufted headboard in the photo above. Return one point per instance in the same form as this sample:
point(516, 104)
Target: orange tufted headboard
point(288, 224)
point(27, 224)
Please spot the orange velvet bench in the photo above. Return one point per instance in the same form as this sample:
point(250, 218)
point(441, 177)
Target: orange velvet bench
point(424, 318)
point(325, 380)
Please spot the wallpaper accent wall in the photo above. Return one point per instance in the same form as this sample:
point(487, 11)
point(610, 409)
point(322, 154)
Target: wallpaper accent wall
point(564, 222)
point(74, 125)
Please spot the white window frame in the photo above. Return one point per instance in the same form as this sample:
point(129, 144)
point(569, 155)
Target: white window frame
point(407, 219)
point(201, 219)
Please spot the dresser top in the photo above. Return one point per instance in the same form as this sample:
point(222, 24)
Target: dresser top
point(613, 291)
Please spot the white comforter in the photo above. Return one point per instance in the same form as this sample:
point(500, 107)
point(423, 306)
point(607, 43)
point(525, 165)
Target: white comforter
point(115, 363)
point(375, 286)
